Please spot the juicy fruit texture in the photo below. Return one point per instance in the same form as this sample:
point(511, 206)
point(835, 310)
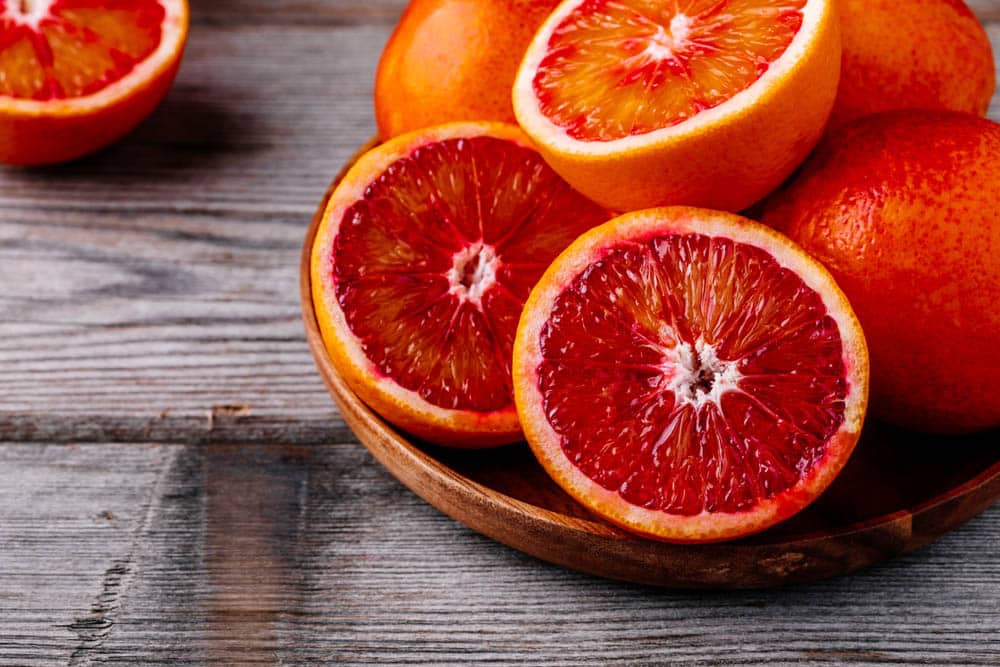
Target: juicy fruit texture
point(917, 250)
point(618, 69)
point(73, 48)
point(432, 266)
point(453, 60)
point(78, 74)
point(710, 103)
point(713, 392)
point(919, 54)
point(690, 375)
point(427, 252)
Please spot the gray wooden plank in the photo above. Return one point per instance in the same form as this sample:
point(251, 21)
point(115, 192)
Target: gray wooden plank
point(151, 291)
point(987, 10)
point(314, 13)
point(70, 521)
point(189, 555)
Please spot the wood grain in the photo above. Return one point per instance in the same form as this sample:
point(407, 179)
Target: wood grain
point(150, 292)
point(279, 554)
point(149, 318)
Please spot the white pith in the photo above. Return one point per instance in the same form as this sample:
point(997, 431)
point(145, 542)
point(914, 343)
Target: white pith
point(484, 274)
point(27, 12)
point(685, 366)
point(536, 124)
point(666, 42)
point(172, 39)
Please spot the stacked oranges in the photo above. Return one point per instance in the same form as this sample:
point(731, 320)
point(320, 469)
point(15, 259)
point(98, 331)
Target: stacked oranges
point(682, 371)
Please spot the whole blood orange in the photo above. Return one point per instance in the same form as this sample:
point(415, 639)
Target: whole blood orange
point(75, 75)
point(425, 255)
point(453, 60)
point(918, 54)
point(640, 103)
point(690, 375)
point(904, 209)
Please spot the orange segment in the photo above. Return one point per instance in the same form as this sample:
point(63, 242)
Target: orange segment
point(690, 375)
point(427, 251)
point(617, 68)
point(131, 27)
point(22, 75)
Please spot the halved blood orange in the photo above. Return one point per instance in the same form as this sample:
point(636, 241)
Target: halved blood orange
point(76, 75)
point(690, 375)
point(425, 255)
point(713, 103)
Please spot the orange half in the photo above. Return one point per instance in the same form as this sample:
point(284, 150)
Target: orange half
point(427, 250)
point(690, 375)
point(77, 74)
point(713, 103)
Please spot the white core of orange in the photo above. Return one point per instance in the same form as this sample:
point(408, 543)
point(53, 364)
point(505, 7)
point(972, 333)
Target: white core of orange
point(696, 376)
point(27, 12)
point(471, 286)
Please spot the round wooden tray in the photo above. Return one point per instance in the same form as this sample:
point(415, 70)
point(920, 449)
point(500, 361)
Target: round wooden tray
point(900, 491)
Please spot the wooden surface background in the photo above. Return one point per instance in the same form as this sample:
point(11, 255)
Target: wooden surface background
point(177, 488)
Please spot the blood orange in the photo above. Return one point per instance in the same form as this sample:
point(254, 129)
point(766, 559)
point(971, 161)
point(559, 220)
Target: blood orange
point(426, 253)
point(918, 54)
point(76, 75)
point(903, 207)
point(712, 103)
point(690, 375)
point(453, 60)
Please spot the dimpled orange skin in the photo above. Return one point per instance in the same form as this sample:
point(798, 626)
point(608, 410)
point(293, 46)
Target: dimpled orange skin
point(917, 54)
point(453, 60)
point(904, 209)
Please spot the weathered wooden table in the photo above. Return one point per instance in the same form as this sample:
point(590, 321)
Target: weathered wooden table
point(176, 486)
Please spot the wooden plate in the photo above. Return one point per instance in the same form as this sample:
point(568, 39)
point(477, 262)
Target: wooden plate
point(900, 491)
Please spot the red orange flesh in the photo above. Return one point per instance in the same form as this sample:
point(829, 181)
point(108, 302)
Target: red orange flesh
point(615, 69)
point(76, 47)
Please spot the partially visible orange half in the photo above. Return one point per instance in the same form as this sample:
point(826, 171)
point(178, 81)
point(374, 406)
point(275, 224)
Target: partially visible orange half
point(76, 75)
point(713, 103)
